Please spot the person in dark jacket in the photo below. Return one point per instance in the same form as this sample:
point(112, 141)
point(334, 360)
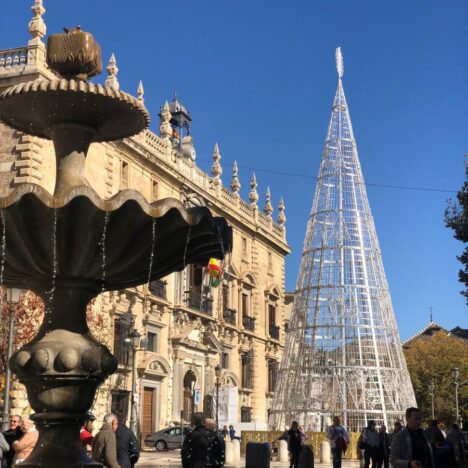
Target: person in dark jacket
point(12, 435)
point(200, 445)
point(383, 451)
point(444, 454)
point(433, 431)
point(104, 445)
point(128, 451)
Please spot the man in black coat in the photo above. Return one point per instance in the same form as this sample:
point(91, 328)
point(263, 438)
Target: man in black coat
point(201, 448)
point(11, 435)
point(128, 450)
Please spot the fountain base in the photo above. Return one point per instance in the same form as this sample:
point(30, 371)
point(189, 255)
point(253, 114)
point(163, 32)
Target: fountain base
point(59, 442)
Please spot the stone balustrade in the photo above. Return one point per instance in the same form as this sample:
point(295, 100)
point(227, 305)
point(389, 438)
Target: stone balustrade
point(161, 149)
point(13, 57)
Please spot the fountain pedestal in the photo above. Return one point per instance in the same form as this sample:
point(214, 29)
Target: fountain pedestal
point(70, 246)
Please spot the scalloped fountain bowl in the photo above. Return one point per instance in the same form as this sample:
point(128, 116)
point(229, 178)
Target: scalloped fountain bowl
point(70, 246)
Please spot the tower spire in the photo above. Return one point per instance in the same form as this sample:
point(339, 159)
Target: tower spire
point(339, 62)
point(141, 92)
point(235, 182)
point(112, 70)
point(343, 354)
point(281, 216)
point(36, 27)
point(216, 168)
point(253, 194)
point(268, 206)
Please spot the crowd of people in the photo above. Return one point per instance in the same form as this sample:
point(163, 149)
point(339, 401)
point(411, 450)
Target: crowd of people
point(114, 445)
point(406, 447)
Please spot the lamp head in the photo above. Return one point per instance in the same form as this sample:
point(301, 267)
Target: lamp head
point(455, 374)
point(13, 295)
point(218, 371)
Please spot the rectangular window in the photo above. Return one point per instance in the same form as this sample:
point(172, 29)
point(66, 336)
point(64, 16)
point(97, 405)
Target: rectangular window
point(244, 248)
point(225, 294)
point(246, 370)
point(152, 342)
point(225, 360)
point(124, 179)
point(271, 314)
point(272, 375)
point(119, 405)
point(245, 304)
point(121, 351)
point(154, 190)
point(246, 414)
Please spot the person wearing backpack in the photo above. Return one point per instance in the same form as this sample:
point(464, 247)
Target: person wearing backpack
point(339, 440)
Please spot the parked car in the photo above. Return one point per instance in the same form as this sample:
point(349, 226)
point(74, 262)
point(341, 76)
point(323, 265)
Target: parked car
point(166, 439)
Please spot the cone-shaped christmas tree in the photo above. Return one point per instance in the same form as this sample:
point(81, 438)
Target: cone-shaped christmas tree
point(343, 354)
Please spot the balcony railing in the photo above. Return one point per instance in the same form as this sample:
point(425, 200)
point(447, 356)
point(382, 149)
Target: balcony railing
point(248, 323)
point(200, 302)
point(158, 288)
point(274, 332)
point(229, 316)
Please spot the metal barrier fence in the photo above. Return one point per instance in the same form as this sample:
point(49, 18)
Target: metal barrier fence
point(314, 441)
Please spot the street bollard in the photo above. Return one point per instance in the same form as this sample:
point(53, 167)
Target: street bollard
point(229, 452)
point(282, 451)
point(236, 449)
point(325, 452)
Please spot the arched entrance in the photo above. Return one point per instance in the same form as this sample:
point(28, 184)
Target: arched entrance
point(189, 395)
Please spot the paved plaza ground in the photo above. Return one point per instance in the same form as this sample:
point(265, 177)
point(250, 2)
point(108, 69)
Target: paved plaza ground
point(172, 459)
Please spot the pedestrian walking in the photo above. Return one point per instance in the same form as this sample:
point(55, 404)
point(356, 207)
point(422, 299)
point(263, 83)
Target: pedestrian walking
point(339, 440)
point(294, 444)
point(11, 435)
point(25, 445)
point(371, 440)
point(383, 451)
point(128, 451)
point(444, 453)
point(105, 445)
point(201, 447)
point(410, 448)
point(433, 431)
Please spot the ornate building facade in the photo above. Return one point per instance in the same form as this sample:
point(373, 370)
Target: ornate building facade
point(186, 326)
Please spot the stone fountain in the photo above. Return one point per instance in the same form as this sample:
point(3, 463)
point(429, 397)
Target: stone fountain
point(70, 246)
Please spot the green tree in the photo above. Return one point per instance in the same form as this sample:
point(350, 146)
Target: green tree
point(456, 218)
point(433, 358)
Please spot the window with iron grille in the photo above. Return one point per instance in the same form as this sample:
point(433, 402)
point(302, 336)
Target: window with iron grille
point(119, 405)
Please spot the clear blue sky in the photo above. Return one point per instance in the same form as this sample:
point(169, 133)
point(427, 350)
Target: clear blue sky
point(259, 79)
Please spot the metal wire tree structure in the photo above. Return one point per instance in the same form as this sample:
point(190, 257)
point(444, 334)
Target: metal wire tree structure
point(343, 354)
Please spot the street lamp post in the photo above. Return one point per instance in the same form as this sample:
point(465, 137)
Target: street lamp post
point(455, 374)
point(218, 371)
point(134, 342)
point(13, 297)
point(431, 394)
